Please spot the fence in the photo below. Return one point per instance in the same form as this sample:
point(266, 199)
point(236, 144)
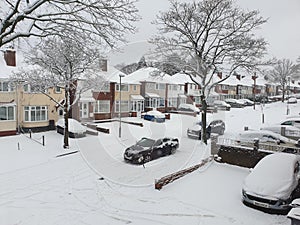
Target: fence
point(40, 139)
point(174, 176)
point(259, 145)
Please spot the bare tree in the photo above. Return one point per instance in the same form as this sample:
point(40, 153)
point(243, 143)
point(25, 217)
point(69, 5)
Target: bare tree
point(68, 63)
point(203, 38)
point(102, 20)
point(282, 72)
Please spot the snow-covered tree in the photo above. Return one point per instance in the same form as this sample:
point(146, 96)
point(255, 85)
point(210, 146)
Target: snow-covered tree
point(68, 63)
point(283, 71)
point(202, 38)
point(103, 20)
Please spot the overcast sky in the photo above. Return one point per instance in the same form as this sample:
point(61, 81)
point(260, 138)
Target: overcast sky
point(282, 31)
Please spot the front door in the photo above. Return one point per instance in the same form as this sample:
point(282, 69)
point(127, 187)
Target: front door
point(84, 110)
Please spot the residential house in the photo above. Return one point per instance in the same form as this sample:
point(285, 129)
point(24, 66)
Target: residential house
point(128, 100)
point(160, 90)
point(21, 107)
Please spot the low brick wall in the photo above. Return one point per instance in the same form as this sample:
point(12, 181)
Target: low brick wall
point(240, 156)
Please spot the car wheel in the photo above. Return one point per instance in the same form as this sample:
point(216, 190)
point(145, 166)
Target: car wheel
point(173, 150)
point(221, 131)
point(147, 158)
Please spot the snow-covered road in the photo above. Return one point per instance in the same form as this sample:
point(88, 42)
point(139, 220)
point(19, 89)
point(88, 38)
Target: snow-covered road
point(106, 155)
point(37, 188)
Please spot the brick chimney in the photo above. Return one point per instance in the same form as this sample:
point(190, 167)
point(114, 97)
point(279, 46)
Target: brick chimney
point(10, 57)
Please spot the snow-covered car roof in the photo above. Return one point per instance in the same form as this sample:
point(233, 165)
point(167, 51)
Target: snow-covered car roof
point(189, 106)
point(277, 128)
point(220, 102)
point(246, 100)
point(250, 135)
point(273, 176)
point(74, 125)
point(156, 113)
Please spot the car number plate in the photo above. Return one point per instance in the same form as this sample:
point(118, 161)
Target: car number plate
point(261, 204)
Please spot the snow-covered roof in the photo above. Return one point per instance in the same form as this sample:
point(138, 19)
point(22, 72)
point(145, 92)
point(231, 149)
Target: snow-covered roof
point(180, 78)
point(113, 74)
point(147, 75)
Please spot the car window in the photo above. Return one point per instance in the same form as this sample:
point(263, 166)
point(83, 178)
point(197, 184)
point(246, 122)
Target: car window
point(166, 139)
point(145, 142)
point(287, 123)
point(158, 142)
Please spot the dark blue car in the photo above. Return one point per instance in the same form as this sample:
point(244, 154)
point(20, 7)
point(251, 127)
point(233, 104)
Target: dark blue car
point(155, 116)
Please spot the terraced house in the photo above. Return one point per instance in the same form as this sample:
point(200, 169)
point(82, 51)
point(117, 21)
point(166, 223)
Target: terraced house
point(23, 108)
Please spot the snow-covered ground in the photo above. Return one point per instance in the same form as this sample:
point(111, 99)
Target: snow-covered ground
point(95, 186)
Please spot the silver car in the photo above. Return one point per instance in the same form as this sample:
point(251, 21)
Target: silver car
point(273, 183)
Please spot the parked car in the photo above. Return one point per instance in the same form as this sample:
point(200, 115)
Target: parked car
point(148, 149)
point(292, 100)
point(188, 108)
point(273, 183)
point(222, 105)
point(246, 102)
point(292, 121)
point(264, 136)
point(284, 130)
point(76, 129)
point(234, 103)
point(215, 126)
point(154, 116)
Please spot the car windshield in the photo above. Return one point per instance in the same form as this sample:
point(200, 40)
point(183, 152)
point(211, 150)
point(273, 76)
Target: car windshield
point(145, 142)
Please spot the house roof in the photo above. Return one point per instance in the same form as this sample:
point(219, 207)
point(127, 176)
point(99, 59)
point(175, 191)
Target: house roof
point(181, 78)
point(150, 74)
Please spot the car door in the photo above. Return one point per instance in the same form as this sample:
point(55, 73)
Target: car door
point(157, 150)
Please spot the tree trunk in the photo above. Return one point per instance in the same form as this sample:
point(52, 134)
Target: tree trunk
point(203, 119)
point(66, 117)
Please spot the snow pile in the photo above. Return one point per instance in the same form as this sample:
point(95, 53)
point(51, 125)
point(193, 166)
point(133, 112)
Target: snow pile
point(74, 125)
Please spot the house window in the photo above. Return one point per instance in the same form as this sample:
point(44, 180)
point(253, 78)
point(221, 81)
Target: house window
point(57, 89)
point(172, 87)
point(33, 89)
point(224, 87)
point(152, 102)
point(172, 102)
point(159, 86)
point(102, 106)
point(105, 87)
point(124, 106)
point(6, 86)
point(7, 113)
point(197, 99)
point(124, 87)
point(35, 113)
point(161, 102)
point(134, 87)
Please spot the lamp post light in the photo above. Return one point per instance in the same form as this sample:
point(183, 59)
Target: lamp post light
point(120, 95)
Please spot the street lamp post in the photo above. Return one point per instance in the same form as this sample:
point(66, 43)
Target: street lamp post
point(120, 95)
point(254, 89)
point(288, 93)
